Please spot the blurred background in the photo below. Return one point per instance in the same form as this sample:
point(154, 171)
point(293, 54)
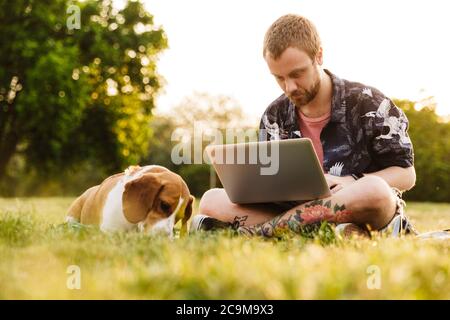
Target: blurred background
point(90, 87)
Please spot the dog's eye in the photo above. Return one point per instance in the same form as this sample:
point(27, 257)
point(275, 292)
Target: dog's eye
point(165, 207)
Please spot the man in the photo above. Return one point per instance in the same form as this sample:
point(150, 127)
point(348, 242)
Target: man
point(359, 135)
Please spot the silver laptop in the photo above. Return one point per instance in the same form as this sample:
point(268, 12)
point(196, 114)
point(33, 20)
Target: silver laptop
point(269, 171)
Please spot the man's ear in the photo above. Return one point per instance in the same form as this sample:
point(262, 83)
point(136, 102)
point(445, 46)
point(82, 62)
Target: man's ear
point(139, 195)
point(187, 215)
point(319, 56)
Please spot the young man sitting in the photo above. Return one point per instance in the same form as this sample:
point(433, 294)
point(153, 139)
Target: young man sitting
point(358, 133)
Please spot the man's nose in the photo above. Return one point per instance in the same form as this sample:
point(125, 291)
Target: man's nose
point(290, 85)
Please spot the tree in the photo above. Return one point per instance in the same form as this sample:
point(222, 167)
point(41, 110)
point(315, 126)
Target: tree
point(74, 95)
point(209, 112)
point(430, 137)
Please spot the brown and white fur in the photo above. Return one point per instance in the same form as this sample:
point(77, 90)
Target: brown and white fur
point(151, 199)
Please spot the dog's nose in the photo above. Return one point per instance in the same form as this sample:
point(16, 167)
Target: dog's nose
point(141, 226)
point(164, 227)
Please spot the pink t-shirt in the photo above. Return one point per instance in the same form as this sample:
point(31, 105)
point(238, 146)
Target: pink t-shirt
point(311, 128)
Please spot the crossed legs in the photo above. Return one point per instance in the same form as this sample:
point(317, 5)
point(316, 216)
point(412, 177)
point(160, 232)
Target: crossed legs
point(368, 201)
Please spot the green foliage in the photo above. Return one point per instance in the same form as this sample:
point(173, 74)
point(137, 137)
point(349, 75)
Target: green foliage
point(430, 137)
point(16, 230)
point(68, 97)
point(206, 111)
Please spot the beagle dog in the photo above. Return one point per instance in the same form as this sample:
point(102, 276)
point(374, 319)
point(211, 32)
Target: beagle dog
point(151, 199)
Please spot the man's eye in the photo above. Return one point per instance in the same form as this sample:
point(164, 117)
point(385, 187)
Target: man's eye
point(165, 207)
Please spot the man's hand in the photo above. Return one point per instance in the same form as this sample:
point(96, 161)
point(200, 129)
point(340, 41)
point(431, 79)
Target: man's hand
point(336, 183)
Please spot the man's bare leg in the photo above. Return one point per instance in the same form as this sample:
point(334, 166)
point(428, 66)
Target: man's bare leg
point(368, 201)
point(215, 203)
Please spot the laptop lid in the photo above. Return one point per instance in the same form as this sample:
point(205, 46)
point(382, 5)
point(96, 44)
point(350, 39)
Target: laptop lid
point(269, 171)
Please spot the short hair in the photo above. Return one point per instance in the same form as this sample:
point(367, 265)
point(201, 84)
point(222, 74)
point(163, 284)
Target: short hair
point(291, 30)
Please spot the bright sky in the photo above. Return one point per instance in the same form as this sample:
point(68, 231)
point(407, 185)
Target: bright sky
point(397, 46)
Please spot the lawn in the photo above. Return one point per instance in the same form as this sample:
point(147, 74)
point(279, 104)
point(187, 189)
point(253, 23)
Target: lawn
point(38, 256)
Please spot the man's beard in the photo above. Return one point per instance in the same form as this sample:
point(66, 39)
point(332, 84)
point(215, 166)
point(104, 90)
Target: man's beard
point(303, 97)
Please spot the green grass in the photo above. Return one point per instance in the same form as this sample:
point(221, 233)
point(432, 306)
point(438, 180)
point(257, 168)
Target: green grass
point(36, 250)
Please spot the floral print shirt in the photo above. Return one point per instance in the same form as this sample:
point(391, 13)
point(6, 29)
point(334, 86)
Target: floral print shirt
point(367, 132)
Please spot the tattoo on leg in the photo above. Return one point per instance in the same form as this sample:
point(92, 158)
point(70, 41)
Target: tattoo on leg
point(239, 221)
point(310, 213)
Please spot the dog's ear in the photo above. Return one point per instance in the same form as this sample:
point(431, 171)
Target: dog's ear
point(139, 195)
point(188, 212)
point(187, 215)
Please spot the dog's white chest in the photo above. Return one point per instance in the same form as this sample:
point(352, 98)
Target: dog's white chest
point(113, 216)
